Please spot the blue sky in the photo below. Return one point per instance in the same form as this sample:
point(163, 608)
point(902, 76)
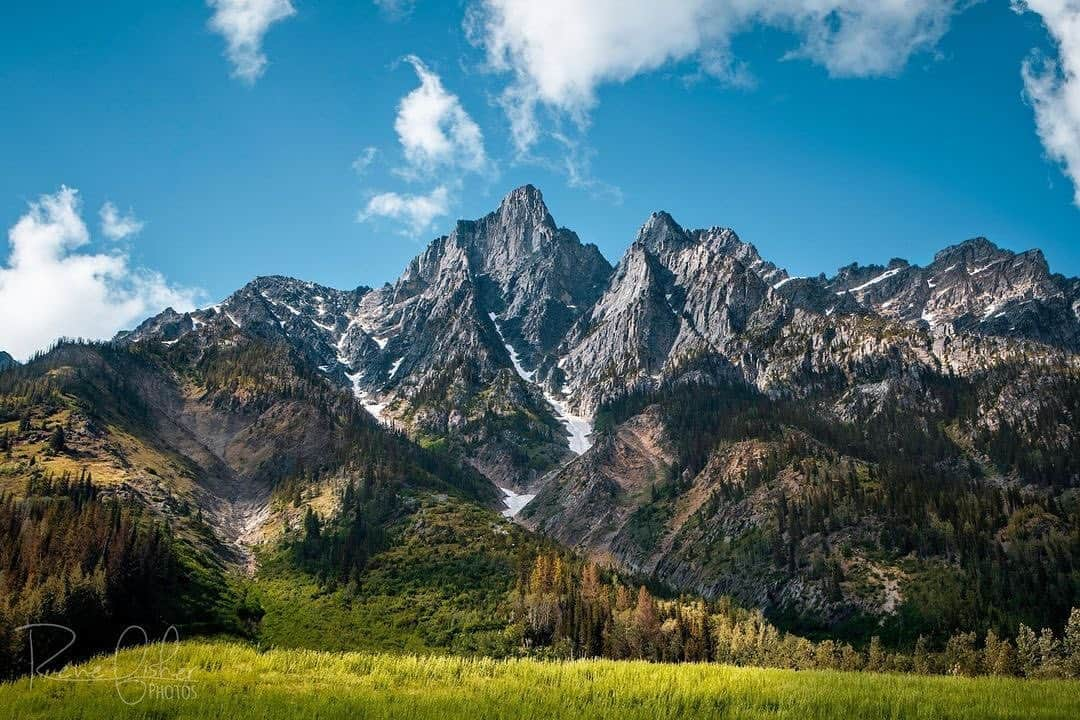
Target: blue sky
point(918, 133)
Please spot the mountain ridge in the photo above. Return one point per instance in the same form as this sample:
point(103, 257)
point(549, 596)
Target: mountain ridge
point(701, 290)
point(813, 448)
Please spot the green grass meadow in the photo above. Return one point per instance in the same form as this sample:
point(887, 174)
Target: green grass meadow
point(215, 680)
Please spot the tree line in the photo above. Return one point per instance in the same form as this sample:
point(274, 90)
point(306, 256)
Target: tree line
point(574, 610)
point(71, 556)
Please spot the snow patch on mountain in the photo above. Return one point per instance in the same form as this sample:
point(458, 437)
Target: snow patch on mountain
point(514, 503)
point(874, 281)
point(579, 428)
point(374, 408)
point(514, 357)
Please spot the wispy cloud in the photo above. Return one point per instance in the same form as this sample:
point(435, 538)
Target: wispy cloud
point(243, 23)
point(1053, 85)
point(49, 288)
point(396, 9)
point(116, 226)
point(577, 166)
point(415, 212)
point(364, 159)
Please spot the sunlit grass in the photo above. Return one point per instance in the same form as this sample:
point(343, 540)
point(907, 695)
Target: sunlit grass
point(236, 682)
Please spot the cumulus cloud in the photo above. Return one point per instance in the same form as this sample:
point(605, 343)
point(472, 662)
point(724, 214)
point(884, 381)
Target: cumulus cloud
point(116, 226)
point(559, 52)
point(416, 212)
point(434, 130)
point(437, 137)
point(1053, 87)
point(243, 23)
point(50, 289)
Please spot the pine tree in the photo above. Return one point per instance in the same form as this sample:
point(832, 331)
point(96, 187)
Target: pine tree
point(875, 661)
point(646, 624)
point(1050, 659)
point(58, 440)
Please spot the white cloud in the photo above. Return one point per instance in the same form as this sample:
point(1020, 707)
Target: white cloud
point(434, 130)
point(437, 137)
point(243, 23)
point(1053, 87)
point(116, 226)
point(560, 51)
point(417, 212)
point(364, 159)
point(49, 289)
point(396, 9)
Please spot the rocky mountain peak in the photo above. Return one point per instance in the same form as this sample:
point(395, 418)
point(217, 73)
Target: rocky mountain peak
point(519, 228)
point(512, 314)
point(974, 250)
point(7, 361)
point(525, 206)
point(661, 234)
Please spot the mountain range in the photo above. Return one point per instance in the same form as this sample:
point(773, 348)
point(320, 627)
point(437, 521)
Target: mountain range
point(892, 446)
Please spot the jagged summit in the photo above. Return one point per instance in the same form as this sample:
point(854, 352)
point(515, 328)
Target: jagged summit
point(683, 413)
point(968, 249)
point(525, 204)
point(510, 311)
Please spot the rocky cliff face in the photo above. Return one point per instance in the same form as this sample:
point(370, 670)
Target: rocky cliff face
point(677, 298)
point(972, 287)
point(505, 339)
point(443, 351)
point(6, 361)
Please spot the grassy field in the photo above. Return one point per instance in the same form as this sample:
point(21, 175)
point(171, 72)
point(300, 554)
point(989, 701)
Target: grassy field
point(221, 680)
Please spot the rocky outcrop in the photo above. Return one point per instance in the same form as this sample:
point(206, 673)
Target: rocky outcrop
point(972, 287)
point(509, 329)
point(503, 340)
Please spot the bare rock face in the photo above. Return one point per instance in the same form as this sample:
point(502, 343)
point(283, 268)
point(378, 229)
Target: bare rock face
point(501, 333)
point(503, 340)
point(675, 298)
point(513, 291)
point(539, 277)
point(972, 287)
point(496, 295)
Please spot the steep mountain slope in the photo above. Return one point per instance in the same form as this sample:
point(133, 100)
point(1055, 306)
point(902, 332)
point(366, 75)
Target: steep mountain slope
point(679, 303)
point(922, 502)
point(138, 482)
point(835, 450)
point(438, 352)
point(494, 294)
point(6, 361)
point(194, 425)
